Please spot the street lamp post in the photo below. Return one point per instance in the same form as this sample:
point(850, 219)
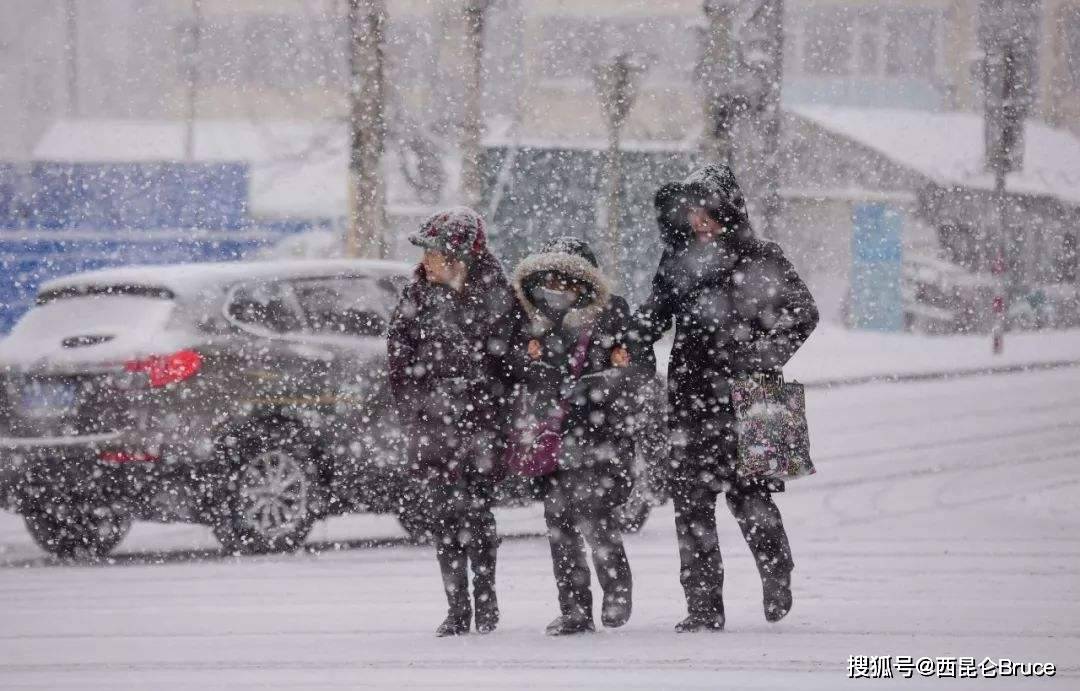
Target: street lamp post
point(473, 121)
point(367, 101)
point(616, 86)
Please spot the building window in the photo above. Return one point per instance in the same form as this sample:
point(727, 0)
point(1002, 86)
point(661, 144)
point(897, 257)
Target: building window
point(571, 46)
point(910, 46)
point(828, 43)
point(869, 42)
point(1070, 28)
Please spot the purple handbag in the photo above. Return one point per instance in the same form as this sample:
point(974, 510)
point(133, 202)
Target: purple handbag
point(534, 450)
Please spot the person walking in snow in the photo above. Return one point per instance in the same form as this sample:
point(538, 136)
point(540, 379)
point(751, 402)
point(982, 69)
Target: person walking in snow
point(579, 372)
point(448, 348)
point(739, 309)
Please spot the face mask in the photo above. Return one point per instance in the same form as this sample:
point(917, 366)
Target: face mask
point(555, 300)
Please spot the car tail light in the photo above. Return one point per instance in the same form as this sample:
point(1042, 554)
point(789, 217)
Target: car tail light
point(127, 457)
point(163, 370)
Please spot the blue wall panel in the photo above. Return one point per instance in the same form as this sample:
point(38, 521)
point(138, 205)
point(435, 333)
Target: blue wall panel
point(119, 196)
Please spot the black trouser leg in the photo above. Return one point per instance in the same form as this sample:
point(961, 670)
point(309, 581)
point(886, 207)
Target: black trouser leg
point(609, 558)
point(452, 564)
point(448, 502)
point(567, 555)
point(702, 569)
point(482, 550)
point(763, 528)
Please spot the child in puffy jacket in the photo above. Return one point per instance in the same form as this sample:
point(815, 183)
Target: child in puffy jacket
point(579, 372)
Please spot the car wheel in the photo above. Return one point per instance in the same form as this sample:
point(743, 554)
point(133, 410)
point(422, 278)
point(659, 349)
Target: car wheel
point(632, 515)
point(77, 531)
point(268, 505)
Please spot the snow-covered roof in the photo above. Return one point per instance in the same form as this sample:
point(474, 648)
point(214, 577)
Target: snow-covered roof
point(190, 280)
point(948, 147)
point(298, 168)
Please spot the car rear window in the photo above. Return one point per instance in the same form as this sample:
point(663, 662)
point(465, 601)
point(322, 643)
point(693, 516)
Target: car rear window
point(68, 292)
point(353, 306)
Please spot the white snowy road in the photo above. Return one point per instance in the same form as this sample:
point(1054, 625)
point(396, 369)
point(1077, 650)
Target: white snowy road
point(944, 521)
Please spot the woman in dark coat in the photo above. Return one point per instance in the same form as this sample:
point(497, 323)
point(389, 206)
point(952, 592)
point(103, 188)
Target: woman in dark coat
point(738, 308)
point(449, 377)
point(574, 318)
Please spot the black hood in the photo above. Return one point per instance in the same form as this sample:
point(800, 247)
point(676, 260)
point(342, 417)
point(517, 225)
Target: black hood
point(712, 186)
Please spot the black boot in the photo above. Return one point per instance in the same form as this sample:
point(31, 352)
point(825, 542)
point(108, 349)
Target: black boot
point(455, 624)
point(700, 622)
point(706, 607)
point(485, 602)
point(455, 579)
point(616, 609)
point(777, 600)
point(570, 624)
point(487, 612)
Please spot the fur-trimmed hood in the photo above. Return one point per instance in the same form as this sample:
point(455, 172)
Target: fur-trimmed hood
point(572, 266)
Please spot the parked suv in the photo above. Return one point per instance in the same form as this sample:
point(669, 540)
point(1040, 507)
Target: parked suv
point(250, 397)
point(247, 396)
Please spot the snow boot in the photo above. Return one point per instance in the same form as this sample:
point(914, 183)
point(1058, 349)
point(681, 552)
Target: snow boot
point(455, 579)
point(485, 602)
point(568, 625)
point(777, 600)
point(696, 623)
point(455, 624)
point(487, 612)
point(616, 609)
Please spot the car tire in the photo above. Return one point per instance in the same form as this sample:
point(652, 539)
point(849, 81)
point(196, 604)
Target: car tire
point(77, 531)
point(268, 502)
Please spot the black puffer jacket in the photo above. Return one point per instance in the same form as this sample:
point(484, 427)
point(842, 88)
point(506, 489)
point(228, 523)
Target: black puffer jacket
point(601, 405)
point(737, 304)
point(450, 365)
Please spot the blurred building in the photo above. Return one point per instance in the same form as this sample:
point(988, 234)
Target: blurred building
point(267, 82)
point(286, 59)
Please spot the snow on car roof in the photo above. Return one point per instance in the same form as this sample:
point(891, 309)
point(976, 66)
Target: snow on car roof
point(192, 279)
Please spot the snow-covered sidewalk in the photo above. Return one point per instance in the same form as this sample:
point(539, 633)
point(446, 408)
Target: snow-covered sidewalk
point(943, 522)
point(834, 354)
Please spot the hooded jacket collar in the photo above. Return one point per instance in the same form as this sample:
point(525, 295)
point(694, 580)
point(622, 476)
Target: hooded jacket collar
point(714, 184)
point(571, 266)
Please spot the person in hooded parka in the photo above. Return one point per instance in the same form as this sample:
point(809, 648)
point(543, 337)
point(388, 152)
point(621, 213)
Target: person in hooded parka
point(739, 309)
point(448, 348)
point(573, 316)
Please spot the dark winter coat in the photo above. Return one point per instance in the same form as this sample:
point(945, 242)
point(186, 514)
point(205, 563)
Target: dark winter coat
point(599, 426)
point(737, 304)
point(450, 368)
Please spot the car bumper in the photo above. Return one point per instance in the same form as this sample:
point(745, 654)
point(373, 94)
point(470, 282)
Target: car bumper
point(117, 458)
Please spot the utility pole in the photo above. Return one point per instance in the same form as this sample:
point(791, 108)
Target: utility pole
point(1007, 30)
point(741, 71)
point(718, 70)
point(367, 41)
point(472, 128)
point(616, 86)
point(71, 56)
point(192, 91)
point(771, 78)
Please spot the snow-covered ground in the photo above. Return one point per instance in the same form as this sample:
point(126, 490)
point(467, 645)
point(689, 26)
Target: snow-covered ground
point(943, 522)
point(835, 354)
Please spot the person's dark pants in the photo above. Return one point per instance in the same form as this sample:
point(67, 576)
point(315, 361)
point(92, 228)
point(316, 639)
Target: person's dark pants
point(576, 514)
point(465, 536)
point(702, 569)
